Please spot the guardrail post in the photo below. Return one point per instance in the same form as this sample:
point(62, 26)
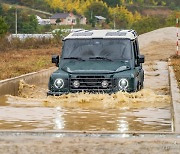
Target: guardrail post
point(177, 42)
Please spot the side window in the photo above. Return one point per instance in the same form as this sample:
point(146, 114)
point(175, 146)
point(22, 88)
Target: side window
point(62, 49)
point(137, 46)
point(135, 53)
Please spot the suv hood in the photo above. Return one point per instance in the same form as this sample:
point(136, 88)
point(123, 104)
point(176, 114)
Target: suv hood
point(96, 66)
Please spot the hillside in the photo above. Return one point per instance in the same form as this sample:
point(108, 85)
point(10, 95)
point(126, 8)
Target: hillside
point(141, 15)
point(44, 4)
point(34, 4)
point(80, 6)
point(28, 9)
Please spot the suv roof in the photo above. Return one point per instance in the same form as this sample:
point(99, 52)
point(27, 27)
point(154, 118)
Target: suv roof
point(128, 34)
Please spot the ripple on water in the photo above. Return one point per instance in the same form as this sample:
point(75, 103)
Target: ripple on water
point(141, 111)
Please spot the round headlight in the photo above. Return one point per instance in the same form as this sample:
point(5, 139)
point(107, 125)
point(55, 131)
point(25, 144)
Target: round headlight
point(76, 84)
point(123, 83)
point(105, 84)
point(59, 83)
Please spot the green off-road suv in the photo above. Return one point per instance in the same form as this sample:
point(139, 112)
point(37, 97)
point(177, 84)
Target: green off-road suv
point(98, 61)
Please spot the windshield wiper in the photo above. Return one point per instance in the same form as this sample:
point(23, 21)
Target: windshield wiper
point(77, 58)
point(104, 58)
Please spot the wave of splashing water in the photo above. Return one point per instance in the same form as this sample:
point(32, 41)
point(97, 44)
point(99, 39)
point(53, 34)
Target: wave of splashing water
point(143, 98)
point(30, 91)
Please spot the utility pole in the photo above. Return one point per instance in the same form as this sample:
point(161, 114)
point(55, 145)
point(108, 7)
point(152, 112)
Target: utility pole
point(114, 22)
point(91, 14)
point(16, 21)
point(92, 20)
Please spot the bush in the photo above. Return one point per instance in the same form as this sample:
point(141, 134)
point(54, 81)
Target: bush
point(171, 20)
point(28, 43)
point(3, 27)
point(147, 24)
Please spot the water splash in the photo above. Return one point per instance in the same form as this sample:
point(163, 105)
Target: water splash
point(30, 91)
point(143, 110)
point(143, 98)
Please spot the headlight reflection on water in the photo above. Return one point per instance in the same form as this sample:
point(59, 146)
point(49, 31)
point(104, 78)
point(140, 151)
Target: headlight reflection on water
point(59, 120)
point(123, 126)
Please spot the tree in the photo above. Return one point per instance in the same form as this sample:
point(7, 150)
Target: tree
point(3, 27)
point(147, 24)
point(97, 8)
point(140, 2)
point(30, 26)
point(171, 19)
point(137, 16)
point(10, 19)
point(1, 10)
point(112, 3)
point(121, 17)
point(33, 22)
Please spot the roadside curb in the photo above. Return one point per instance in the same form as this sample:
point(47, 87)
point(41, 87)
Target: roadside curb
point(10, 86)
point(175, 96)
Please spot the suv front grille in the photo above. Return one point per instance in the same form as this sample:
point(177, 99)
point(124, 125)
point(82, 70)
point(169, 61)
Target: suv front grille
point(90, 84)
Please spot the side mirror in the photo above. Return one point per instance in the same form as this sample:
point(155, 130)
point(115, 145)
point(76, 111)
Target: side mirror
point(141, 59)
point(55, 59)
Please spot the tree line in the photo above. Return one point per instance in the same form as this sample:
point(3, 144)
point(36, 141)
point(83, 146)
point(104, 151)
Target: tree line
point(46, 4)
point(117, 15)
point(27, 23)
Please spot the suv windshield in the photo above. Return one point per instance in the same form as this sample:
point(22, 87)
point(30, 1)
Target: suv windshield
point(113, 49)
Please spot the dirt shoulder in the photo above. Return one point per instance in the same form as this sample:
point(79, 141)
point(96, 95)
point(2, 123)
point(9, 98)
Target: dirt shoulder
point(175, 62)
point(89, 145)
point(160, 45)
point(15, 63)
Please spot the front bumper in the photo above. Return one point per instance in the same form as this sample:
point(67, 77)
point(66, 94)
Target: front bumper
point(50, 93)
point(89, 84)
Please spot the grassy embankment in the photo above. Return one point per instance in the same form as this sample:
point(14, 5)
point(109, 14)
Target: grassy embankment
point(19, 58)
point(175, 62)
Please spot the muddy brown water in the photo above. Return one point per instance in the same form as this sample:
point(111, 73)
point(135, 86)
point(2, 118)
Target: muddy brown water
point(147, 110)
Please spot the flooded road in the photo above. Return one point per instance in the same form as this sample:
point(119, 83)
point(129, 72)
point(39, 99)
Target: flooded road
point(147, 110)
